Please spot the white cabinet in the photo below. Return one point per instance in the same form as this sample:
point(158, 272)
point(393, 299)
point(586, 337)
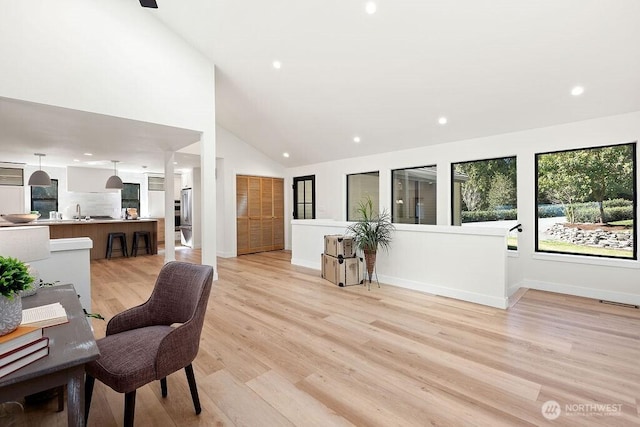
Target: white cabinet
point(88, 180)
point(11, 199)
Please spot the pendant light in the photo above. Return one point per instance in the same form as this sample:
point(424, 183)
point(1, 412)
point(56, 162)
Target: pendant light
point(40, 178)
point(114, 182)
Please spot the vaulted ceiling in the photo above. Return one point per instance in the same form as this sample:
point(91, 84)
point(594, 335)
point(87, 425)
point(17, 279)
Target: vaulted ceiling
point(489, 67)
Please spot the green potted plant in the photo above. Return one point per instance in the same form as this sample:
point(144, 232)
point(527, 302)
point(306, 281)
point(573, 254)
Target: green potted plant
point(370, 232)
point(14, 277)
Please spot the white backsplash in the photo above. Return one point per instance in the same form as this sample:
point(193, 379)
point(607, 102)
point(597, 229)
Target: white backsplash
point(92, 204)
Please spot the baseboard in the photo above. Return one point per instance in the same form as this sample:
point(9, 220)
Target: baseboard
point(599, 294)
point(491, 301)
point(223, 254)
point(308, 264)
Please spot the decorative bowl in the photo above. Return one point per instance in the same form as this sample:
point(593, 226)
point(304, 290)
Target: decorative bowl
point(20, 218)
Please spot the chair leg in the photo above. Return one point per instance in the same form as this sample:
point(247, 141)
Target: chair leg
point(163, 386)
point(194, 389)
point(129, 408)
point(88, 392)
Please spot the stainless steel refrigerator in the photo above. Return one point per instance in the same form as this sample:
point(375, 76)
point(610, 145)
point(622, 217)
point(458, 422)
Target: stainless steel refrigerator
point(186, 217)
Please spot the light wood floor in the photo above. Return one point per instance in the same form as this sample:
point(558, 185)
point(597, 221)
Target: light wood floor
point(280, 346)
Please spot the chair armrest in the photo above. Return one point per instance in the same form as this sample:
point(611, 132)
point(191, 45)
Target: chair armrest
point(133, 318)
point(178, 349)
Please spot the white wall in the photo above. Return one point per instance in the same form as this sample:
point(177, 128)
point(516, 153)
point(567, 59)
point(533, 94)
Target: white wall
point(110, 58)
point(239, 158)
point(615, 280)
point(422, 258)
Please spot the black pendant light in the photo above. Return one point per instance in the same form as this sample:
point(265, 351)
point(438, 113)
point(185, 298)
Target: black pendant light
point(114, 182)
point(40, 178)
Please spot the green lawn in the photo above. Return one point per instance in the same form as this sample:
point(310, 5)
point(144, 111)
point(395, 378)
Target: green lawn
point(556, 246)
point(625, 222)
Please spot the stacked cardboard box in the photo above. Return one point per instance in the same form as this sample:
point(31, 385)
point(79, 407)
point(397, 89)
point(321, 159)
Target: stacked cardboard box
point(340, 265)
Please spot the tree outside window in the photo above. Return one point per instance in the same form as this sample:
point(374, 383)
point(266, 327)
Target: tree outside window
point(586, 201)
point(484, 193)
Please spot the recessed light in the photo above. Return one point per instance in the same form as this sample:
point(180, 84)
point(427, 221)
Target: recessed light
point(356, 139)
point(577, 91)
point(76, 160)
point(371, 7)
point(88, 154)
point(175, 163)
point(285, 155)
point(277, 65)
point(442, 120)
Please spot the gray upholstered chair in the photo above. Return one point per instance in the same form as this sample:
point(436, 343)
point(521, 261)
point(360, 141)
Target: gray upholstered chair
point(141, 346)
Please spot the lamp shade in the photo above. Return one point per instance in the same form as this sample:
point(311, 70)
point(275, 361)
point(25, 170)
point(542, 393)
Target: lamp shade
point(27, 244)
point(114, 182)
point(40, 179)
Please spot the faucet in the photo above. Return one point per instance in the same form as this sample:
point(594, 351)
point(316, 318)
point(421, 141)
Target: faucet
point(79, 211)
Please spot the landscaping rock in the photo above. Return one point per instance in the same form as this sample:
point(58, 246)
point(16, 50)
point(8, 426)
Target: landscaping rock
point(598, 237)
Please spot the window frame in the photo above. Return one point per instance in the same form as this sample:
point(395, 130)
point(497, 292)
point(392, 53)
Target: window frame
point(393, 219)
point(296, 181)
point(452, 172)
point(634, 180)
point(377, 173)
point(122, 199)
point(56, 199)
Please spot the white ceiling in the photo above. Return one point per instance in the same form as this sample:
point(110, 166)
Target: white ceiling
point(490, 67)
point(65, 135)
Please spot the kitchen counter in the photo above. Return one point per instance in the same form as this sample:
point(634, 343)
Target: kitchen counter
point(75, 221)
point(98, 230)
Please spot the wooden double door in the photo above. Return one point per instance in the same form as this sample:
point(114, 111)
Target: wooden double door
point(260, 214)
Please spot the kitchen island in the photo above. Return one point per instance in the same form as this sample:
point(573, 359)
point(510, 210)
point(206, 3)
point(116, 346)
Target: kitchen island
point(98, 230)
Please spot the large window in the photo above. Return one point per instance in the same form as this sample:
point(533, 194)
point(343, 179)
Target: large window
point(361, 186)
point(586, 201)
point(484, 193)
point(413, 195)
point(130, 196)
point(45, 199)
point(304, 197)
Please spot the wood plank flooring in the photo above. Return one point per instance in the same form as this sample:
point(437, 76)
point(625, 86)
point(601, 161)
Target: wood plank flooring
point(281, 347)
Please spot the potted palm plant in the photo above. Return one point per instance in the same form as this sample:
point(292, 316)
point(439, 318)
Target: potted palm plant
point(370, 232)
point(14, 277)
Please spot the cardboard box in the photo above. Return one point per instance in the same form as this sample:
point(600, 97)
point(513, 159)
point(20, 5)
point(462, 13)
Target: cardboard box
point(343, 271)
point(338, 246)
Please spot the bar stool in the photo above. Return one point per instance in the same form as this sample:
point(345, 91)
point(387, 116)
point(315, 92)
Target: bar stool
point(147, 242)
point(123, 244)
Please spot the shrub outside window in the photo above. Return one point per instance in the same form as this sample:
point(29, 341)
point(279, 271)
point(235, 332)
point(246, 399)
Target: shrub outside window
point(586, 201)
point(484, 193)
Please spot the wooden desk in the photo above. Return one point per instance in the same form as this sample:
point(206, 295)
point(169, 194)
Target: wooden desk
point(71, 345)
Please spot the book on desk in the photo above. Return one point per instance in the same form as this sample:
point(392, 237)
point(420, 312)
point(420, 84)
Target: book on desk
point(21, 347)
point(44, 316)
point(27, 343)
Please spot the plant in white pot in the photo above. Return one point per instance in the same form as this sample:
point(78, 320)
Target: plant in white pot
point(370, 232)
point(14, 277)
